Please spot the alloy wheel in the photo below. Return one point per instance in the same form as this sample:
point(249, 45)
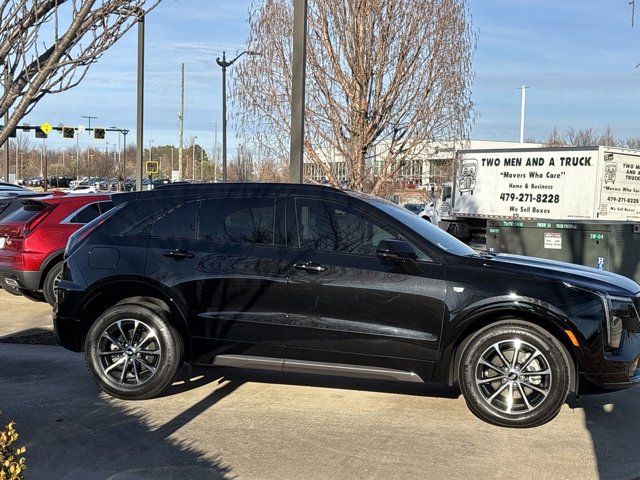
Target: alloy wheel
point(129, 352)
point(513, 377)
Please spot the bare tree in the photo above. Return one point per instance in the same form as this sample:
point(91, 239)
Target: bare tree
point(241, 168)
point(47, 46)
point(555, 139)
point(385, 77)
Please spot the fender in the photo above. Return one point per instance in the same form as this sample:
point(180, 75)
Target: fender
point(51, 259)
point(135, 284)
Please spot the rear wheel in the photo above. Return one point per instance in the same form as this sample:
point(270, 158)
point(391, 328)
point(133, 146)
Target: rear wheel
point(133, 352)
point(51, 281)
point(514, 375)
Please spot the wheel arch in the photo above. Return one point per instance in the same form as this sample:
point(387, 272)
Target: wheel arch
point(539, 319)
point(48, 263)
point(133, 291)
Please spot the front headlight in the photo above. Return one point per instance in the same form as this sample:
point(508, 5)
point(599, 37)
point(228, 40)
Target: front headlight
point(621, 315)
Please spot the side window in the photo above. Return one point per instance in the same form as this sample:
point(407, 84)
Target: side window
point(105, 207)
point(178, 221)
point(87, 214)
point(333, 227)
point(238, 220)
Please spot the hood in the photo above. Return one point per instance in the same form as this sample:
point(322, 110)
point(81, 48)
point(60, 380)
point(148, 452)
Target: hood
point(578, 275)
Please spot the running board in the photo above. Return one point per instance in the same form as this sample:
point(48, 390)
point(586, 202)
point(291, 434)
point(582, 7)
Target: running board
point(321, 368)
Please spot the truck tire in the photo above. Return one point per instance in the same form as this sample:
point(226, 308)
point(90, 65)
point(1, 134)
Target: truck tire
point(462, 231)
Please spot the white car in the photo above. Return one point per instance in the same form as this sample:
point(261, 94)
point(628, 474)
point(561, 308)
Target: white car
point(82, 189)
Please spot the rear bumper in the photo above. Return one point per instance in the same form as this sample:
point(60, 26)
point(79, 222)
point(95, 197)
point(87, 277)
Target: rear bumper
point(66, 324)
point(21, 279)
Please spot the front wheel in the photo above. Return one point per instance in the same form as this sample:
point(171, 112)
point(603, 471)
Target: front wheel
point(514, 375)
point(133, 352)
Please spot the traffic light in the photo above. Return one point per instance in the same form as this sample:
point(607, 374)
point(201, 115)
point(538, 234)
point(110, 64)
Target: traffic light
point(99, 134)
point(68, 133)
point(41, 134)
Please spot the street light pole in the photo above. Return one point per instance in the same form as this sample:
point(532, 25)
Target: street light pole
point(225, 64)
point(140, 107)
point(523, 107)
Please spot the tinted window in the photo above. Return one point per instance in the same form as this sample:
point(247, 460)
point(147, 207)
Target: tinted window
point(428, 231)
point(178, 221)
point(87, 214)
point(105, 207)
point(238, 220)
point(333, 227)
point(24, 213)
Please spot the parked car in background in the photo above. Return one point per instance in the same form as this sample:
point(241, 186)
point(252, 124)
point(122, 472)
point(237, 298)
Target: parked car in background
point(310, 279)
point(414, 207)
point(33, 238)
point(9, 204)
point(82, 190)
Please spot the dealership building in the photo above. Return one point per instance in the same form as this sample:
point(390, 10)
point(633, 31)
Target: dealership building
point(417, 169)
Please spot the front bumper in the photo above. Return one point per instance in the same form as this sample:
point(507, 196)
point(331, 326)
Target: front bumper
point(614, 371)
point(21, 279)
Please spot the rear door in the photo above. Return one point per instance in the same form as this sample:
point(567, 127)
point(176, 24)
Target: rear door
point(225, 259)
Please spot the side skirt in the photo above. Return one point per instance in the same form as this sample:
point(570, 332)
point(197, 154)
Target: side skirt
point(310, 367)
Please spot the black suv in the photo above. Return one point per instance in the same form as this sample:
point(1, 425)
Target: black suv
point(302, 278)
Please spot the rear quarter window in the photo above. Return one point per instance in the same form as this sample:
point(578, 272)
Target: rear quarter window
point(24, 213)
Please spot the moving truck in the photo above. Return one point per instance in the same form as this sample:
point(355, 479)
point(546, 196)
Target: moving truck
point(578, 205)
point(561, 183)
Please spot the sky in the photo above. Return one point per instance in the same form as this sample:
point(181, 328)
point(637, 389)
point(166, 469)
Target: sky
point(578, 58)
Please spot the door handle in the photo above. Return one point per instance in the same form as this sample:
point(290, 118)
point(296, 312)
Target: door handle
point(310, 267)
point(178, 254)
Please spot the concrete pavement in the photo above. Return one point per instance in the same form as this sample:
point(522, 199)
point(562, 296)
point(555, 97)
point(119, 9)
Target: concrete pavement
point(221, 423)
point(19, 314)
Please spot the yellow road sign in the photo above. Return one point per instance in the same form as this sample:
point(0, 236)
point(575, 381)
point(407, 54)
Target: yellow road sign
point(46, 128)
point(152, 168)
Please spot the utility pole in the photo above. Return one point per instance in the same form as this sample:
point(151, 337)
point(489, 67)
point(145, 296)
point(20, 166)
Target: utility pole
point(215, 151)
point(522, 110)
point(296, 153)
point(89, 118)
point(6, 122)
point(140, 107)
point(193, 159)
point(181, 124)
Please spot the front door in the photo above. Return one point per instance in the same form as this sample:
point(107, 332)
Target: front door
point(348, 306)
point(226, 260)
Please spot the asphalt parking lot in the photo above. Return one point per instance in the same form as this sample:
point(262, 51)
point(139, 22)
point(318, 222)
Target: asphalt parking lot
point(221, 423)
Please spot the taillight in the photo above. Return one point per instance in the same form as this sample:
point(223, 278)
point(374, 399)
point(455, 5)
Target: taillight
point(37, 220)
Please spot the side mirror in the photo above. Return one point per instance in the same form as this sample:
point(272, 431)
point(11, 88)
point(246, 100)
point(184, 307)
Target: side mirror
point(398, 251)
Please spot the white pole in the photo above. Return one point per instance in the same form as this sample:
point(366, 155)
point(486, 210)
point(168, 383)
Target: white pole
point(522, 110)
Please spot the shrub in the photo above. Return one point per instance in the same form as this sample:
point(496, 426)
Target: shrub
point(11, 467)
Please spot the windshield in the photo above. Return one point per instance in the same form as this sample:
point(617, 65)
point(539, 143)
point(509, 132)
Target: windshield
point(414, 207)
point(427, 230)
point(25, 213)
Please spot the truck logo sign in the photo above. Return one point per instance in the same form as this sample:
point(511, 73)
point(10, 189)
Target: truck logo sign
point(467, 175)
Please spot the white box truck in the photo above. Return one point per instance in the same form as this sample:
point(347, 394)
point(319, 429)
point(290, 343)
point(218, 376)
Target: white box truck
point(562, 183)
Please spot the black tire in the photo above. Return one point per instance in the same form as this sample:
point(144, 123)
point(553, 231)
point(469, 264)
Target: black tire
point(169, 344)
point(49, 285)
point(509, 408)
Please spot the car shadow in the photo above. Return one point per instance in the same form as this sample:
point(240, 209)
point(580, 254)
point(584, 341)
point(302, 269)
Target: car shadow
point(232, 378)
point(71, 430)
point(613, 422)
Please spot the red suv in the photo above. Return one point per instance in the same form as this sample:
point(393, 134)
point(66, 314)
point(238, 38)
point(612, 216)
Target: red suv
point(33, 239)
